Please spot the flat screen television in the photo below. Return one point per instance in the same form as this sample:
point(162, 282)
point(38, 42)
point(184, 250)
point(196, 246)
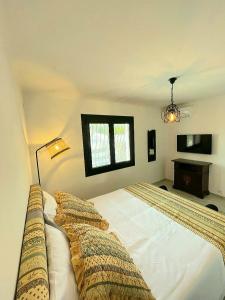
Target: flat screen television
point(195, 143)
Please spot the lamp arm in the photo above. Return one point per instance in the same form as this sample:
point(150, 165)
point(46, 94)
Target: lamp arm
point(45, 145)
point(36, 153)
point(37, 162)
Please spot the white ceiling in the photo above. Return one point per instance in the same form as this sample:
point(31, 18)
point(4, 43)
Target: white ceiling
point(119, 49)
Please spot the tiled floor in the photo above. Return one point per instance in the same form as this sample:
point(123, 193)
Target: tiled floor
point(212, 198)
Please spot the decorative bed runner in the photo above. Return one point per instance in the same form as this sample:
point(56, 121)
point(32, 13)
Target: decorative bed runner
point(203, 221)
point(32, 281)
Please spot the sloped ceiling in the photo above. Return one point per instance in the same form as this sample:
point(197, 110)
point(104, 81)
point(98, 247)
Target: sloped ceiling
point(120, 49)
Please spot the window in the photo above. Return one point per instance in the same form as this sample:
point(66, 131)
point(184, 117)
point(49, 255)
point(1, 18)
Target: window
point(108, 143)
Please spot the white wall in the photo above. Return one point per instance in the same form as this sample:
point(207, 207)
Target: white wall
point(49, 116)
point(206, 117)
point(14, 178)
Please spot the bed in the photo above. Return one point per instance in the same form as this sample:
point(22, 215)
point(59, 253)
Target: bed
point(175, 261)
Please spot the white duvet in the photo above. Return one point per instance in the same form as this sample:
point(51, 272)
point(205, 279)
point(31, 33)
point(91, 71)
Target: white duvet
point(175, 263)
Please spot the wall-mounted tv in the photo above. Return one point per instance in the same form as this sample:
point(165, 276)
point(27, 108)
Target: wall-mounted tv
point(195, 143)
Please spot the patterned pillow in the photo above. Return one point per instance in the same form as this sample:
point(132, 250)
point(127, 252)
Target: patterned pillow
point(79, 211)
point(64, 197)
point(102, 266)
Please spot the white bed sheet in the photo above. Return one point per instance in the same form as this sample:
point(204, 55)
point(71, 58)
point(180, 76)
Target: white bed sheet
point(175, 263)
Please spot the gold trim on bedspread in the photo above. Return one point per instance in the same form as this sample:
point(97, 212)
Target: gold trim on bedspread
point(203, 221)
point(32, 281)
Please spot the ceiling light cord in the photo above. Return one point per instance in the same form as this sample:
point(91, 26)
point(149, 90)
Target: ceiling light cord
point(172, 93)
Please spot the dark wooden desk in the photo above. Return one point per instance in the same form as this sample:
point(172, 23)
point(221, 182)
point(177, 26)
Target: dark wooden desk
point(191, 176)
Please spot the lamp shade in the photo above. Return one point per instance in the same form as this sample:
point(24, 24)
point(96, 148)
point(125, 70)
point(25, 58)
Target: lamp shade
point(172, 112)
point(56, 147)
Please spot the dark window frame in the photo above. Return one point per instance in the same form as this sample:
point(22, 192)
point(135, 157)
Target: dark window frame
point(86, 119)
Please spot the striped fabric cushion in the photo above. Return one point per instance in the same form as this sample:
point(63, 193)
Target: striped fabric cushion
point(32, 281)
point(61, 197)
point(79, 211)
point(102, 266)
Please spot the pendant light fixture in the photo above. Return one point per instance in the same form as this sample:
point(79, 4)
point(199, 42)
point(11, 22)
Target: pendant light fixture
point(172, 112)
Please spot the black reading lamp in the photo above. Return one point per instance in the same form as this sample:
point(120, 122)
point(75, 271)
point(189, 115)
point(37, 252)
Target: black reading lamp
point(54, 147)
